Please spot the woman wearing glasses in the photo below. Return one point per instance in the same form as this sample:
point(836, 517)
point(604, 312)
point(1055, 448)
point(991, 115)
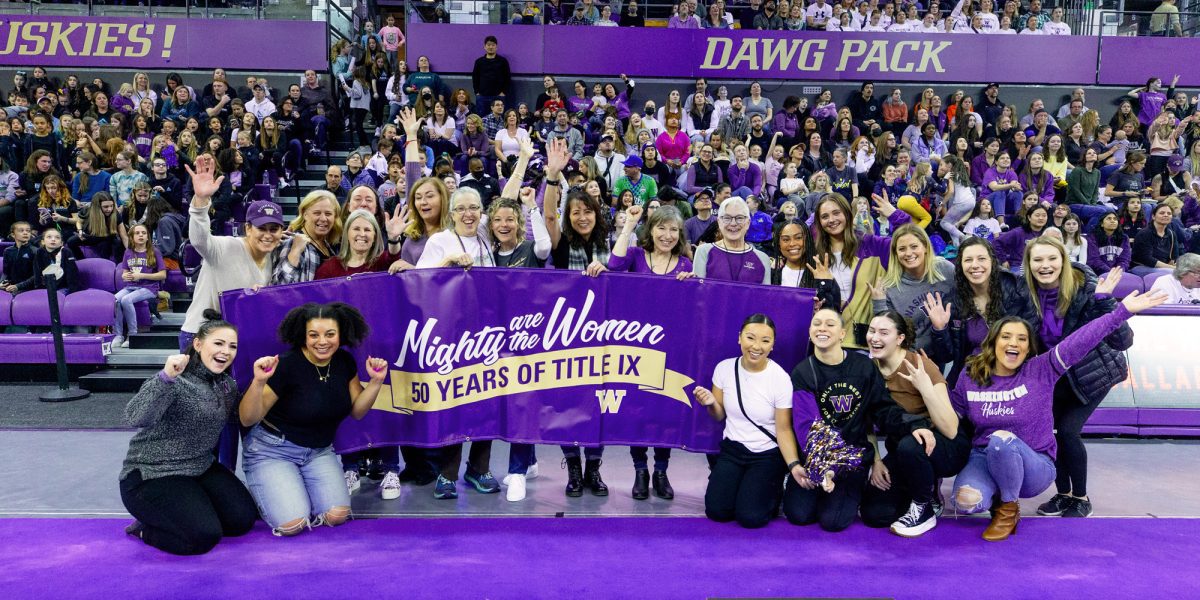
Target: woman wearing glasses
point(731, 258)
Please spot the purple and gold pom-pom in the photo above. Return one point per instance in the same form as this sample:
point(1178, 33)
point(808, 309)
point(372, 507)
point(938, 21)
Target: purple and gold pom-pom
point(828, 455)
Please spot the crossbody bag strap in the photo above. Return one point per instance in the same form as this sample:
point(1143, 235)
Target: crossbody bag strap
point(737, 380)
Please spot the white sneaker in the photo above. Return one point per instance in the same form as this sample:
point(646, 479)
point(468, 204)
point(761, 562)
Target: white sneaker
point(125, 343)
point(516, 488)
point(118, 341)
point(352, 483)
point(531, 472)
point(389, 489)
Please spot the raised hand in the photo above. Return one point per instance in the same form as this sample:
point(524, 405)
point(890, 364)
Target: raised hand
point(528, 197)
point(878, 289)
point(395, 223)
point(1110, 281)
point(408, 120)
point(526, 147)
point(1136, 302)
point(175, 365)
point(265, 367)
point(376, 369)
point(203, 183)
point(633, 216)
point(819, 267)
point(557, 157)
point(704, 396)
point(916, 374)
point(883, 205)
point(939, 314)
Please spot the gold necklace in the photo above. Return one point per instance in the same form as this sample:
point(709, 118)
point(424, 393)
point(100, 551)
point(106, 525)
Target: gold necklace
point(328, 371)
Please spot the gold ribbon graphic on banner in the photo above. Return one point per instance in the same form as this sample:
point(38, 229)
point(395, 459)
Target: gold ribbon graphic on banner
point(410, 392)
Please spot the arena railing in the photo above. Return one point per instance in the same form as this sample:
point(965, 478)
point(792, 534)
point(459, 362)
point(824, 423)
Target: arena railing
point(1130, 23)
point(187, 9)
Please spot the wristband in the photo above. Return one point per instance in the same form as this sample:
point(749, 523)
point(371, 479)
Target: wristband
point(396, 240)
point(553, 182)
point(794, 464)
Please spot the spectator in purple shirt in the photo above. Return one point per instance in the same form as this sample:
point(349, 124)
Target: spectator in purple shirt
point(731, 258)
point(744, 176)
point(1008, 400)
point(698, 224)
point(787, 122)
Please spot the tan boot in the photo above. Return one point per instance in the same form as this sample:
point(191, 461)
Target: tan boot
point(1004, 522)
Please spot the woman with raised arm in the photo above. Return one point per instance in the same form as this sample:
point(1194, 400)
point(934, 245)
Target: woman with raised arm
point(579, 243)
point(183, 500)
point(662, 249)
point(903, 492)
point(797, 268)
point(1008, 396)
point(753, 396)
point(293, 408)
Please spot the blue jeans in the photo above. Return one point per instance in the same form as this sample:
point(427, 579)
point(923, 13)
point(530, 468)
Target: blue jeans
point(1006, 466)
point(1007, 202)
point(126, 308)
point(1090, 214)
point(589, 452)
point(640, 454)
point(291, 482)
point(520, 458)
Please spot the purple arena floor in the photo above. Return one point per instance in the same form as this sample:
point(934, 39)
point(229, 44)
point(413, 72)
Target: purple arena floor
point(610, 558)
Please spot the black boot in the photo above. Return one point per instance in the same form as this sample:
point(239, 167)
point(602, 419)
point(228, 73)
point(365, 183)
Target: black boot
point(574, 476)
point(592, 480)
point(662, 486)
point(641, 484)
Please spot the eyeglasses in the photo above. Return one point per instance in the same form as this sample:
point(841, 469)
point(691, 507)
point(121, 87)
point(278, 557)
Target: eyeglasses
point(160, 164)
point(472, 208)
point(740, 219)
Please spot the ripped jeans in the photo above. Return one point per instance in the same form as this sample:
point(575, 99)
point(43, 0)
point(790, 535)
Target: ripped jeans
point(1007, 466)
point(291, 482)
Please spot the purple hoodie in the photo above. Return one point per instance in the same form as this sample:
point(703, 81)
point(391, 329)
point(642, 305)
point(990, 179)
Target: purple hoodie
point(1010, 246)
point(1022, 402)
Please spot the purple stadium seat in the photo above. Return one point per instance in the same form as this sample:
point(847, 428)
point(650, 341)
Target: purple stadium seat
point(1, 264)
point(23, 348)
point(1152, 277)
point(1129, 283)
point(31, 309)
point(89, 252)
point(97, 274)
point(89, 308)
point(176, 282)
point(5, 309)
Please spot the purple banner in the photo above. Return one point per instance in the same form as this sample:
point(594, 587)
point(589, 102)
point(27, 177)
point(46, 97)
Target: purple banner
point(729, 54)
point(1132, 60)
point(536, 356)
point(27, 40)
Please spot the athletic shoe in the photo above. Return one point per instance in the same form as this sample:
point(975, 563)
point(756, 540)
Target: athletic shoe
point(1055, 506)
point(125, 343)
point(516, 488)
point(135, 529)
point(937, 506)
point(444, 489)
point(531, 472)
point(117, 341)
point(484, 483)
point(919, 519)
point(1078, 508)
point(390, 488)
point(352, 483)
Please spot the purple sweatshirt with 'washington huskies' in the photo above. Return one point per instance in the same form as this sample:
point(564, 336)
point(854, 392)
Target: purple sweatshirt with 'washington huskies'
point(1021, 403)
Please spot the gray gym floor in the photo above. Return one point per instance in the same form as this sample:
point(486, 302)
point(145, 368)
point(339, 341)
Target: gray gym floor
point(73, 474)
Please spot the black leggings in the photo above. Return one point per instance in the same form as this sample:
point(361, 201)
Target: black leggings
point(914, 476)
point(479, 458)
point(834, 510)
point(1069, 417)
point(744, 486)
point(189, 515)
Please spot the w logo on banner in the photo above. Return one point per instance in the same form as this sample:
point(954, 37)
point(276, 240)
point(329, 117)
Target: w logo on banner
point(842, 403)
point(610, 400)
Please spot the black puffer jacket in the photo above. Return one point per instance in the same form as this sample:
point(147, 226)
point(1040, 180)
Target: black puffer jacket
point(950, 345)
point(1105, 366)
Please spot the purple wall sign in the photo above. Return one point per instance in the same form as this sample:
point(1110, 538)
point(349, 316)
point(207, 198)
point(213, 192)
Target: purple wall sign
point(532, 355)
point(162, 43)
point(652, 52)
point(1132, 60)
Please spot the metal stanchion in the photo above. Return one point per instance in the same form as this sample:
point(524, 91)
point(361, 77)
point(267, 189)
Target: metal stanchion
point(64, 393)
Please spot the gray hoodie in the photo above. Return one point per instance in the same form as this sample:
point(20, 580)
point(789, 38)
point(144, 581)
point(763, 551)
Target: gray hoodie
point(908, 299)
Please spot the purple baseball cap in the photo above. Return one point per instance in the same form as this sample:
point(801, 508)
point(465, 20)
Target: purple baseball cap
point(264, 212)
point(1175, 163)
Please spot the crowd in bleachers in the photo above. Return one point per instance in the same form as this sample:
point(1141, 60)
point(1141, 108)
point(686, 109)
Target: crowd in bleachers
point(865, 199)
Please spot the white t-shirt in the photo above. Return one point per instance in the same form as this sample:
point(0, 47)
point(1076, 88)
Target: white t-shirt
point(447, 243)
point(1052, 28)
point(820, 14)
point(790, 277)
point(1176, 294)
point(762, 393)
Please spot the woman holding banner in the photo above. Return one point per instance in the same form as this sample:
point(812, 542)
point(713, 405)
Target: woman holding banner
point(662, 239)
point(744, 483)
point(731, 258)
point(580, 244)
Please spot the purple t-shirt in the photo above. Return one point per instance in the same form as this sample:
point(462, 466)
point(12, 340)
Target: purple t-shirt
point(744, 267)
point(634, 261)
point(1022, 402)
point(138, 263)
point(695, 227)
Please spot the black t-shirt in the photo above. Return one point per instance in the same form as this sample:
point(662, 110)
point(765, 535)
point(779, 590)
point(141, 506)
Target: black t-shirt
point(852, 397)
point(309, 410)
point(521, 256)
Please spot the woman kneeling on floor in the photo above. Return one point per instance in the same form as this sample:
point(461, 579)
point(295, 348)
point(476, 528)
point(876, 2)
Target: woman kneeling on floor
point(1009, 402)
point(184, 501)
point(294, 407)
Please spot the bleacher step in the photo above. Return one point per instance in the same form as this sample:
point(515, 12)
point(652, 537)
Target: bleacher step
point(155, 340)
point(126, 380)
point(143, 357)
